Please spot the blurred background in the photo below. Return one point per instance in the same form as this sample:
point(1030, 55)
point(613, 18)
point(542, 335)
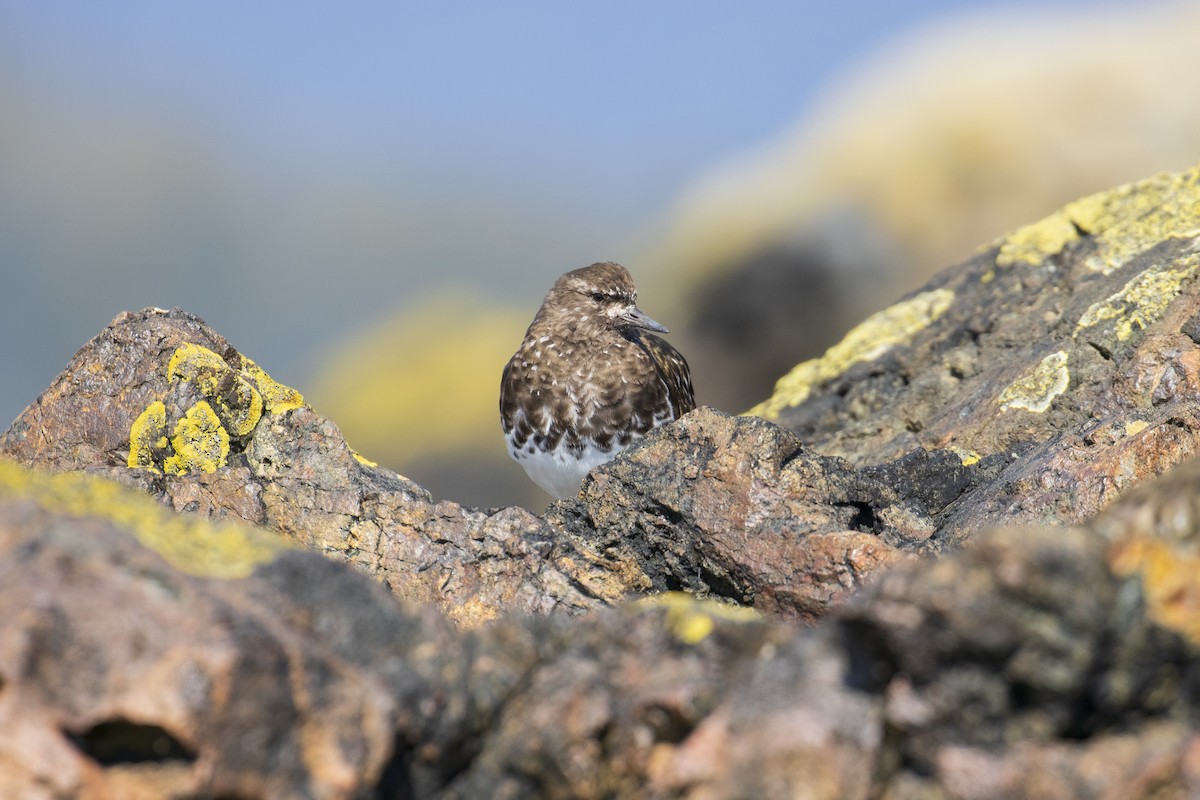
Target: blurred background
point(371, 199)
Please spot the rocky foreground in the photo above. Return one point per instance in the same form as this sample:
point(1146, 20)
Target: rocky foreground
point(946, 568)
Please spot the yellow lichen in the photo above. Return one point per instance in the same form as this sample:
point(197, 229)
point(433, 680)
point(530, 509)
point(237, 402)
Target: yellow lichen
point(1036, 390)
point(691, 619)
point(1124, 221)
point(870, 339)
point(1143, 299)
point(366, 462)
point(1134, 427)
point(189, 544)
point(245, 410)
point(147, 435)
point(1034, 243)
point(191, 362)
point(691, 627)
point(278, 398)
point(199, 440)
point(207, 369)
point(967, 457)
point(1170, 578)
point(235, 400)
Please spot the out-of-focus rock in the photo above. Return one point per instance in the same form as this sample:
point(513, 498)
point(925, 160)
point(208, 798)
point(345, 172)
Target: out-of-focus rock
point(419, 390)
point(149, 654)
point(959, 131)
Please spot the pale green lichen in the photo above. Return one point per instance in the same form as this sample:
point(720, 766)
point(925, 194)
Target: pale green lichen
point(872, 338)
point(189, 544)
point(1124, 221)
point(1143, 299)
point(199, 441)
point(1036, 390)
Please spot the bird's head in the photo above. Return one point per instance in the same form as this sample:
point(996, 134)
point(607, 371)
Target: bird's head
point(600, 296)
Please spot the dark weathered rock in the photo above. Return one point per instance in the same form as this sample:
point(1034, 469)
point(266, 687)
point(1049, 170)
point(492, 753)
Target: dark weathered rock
point(1058, 364)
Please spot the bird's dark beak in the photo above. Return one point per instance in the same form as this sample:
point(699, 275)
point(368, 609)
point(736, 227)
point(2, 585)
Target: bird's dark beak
point(636, 319)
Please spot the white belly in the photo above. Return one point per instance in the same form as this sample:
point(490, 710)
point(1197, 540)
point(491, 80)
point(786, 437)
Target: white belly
point(558, 471)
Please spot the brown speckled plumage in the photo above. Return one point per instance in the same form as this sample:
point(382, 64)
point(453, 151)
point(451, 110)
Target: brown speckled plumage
point(588, 379)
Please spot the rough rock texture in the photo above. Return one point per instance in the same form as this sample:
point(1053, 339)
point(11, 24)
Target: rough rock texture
point(737, 508)
point(1038, 662)
point(1060, 365)
point(160, 401)
point(1034, 383)
point(149, 653)
point(131, 669)
point(718, 505)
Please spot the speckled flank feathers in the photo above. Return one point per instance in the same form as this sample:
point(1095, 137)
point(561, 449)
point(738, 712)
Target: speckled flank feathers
point(588, 379)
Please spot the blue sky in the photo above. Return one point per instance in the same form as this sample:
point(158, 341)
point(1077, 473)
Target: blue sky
point(291, 171)
point(626, 101)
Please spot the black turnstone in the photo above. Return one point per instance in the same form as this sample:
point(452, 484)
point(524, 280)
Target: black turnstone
point(588, 379)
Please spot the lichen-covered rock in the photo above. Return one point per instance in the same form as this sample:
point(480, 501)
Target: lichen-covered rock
point(1035, 661)
point(1033, 384)
point(160, 401)
point(719, 505)
point(147, 654)
point(1059, 364)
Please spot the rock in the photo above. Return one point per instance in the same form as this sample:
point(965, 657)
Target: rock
point(132, 668)
point(186, 417)
point(735, 507)
point(1057, 364)
point(1029, 665)
point(145, 653)
point(969, 151)
point(148, 654)
point(168, 648)
point(160, 401)
point(1034, 384)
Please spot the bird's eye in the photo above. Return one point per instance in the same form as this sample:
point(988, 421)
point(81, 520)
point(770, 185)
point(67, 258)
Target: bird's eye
point(598, 297)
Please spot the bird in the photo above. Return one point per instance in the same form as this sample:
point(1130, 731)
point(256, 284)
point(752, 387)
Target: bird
point(589, 379)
